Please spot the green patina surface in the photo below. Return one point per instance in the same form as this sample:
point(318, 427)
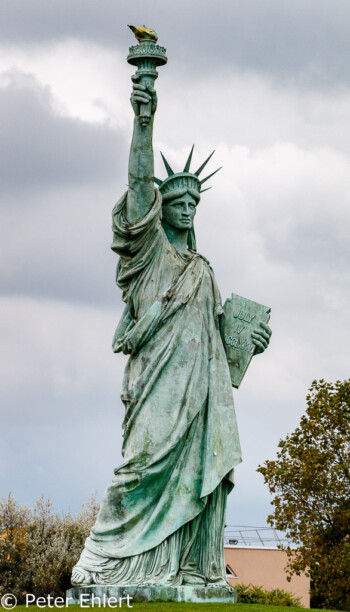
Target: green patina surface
point(136, 594)
point(162, 517)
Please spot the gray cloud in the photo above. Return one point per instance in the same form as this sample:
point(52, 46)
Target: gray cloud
point(40, 147)
point(59, 181)
point(60, 386)
point(303, 41)
point(58, 247)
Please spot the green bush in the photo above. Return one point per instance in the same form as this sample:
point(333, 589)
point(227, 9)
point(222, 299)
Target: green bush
point(257, 595)
point(38, 548)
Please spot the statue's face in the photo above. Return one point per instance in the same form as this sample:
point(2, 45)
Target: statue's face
point(180, 212)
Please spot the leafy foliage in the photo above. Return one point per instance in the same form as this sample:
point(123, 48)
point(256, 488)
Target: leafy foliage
point(310, 481)
point(39, 548)
point(258, 595)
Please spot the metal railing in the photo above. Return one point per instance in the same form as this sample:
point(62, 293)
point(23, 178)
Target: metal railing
point(244, 535)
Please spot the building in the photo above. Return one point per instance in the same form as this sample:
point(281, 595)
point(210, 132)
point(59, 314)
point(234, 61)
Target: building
point(252, 559)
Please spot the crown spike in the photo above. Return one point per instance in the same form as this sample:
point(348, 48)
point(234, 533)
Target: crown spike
point(203, 190)
point(168, 168)
point(188, 163)
point(157, 180)
point(197, 173)
point(210, 175)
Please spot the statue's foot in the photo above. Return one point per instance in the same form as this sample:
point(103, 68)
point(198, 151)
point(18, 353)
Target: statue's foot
point(219, 583)
point(192, 579)
point(80, 576)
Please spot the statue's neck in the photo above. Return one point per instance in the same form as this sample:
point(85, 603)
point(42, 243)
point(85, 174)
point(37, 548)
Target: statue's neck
point(177, 237)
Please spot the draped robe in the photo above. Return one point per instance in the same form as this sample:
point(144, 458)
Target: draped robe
point(162, 516)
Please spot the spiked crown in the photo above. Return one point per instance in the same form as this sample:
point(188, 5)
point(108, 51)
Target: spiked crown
point(175, 183)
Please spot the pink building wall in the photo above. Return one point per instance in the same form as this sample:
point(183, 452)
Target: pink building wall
point(264, 566)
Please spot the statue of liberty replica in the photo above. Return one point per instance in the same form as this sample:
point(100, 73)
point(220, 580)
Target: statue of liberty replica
point(161, 522)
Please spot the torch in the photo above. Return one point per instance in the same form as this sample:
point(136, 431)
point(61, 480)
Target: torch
point(146, 56)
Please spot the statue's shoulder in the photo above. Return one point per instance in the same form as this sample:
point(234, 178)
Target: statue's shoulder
point(201, 256)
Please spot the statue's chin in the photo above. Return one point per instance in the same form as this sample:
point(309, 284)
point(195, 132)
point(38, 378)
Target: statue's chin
point(80, 577)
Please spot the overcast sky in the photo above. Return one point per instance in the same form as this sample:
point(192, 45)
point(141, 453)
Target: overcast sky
point(264, 82)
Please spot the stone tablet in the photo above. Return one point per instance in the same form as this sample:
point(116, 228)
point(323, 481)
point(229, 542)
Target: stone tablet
point(242, 317)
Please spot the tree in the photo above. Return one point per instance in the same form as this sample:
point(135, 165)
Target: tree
point(310, 481)
point(38, 547)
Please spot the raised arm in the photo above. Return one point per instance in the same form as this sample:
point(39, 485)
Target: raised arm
point(141, 163)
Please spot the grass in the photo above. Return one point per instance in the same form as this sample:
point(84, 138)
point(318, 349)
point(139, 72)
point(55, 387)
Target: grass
point(181, 607)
